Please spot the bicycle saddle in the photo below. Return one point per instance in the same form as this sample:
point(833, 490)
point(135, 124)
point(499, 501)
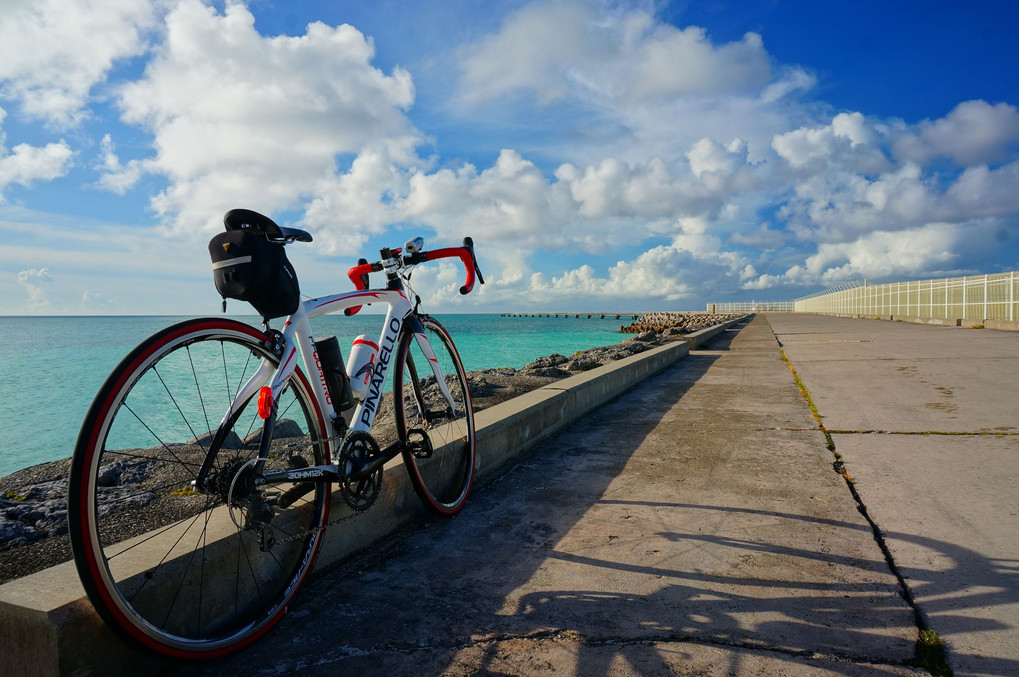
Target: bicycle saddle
point(245, 219)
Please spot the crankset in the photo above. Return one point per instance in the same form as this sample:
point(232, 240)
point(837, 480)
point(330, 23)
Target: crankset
point(358, 452)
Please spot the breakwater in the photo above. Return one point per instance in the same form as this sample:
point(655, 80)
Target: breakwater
point(589, 316)
point(671, 324)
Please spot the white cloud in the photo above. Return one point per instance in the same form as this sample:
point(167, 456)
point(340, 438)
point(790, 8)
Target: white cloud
point(876, 255)
point(35, 282)
point(973, 133)
point(708, 155)
point(847, 142)
point(24, 164)
point(242, 119)
point(693, 265)
point(510, 202)
point(92, 301)
point(114, 176)
point(53, 52)
point(560, 49)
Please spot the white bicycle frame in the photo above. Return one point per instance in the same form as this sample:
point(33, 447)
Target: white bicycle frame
point(297, 336)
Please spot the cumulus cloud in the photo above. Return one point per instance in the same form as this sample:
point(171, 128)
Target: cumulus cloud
point(53, 52)
point(114, 176)
point(973, 133)
point(847, 142)
point(875, 255)
point(708, 155)
point(694, 264)
point(24, 164)
point(239, 118)
point(92, 301)
point(561, 49)
point(35, 282)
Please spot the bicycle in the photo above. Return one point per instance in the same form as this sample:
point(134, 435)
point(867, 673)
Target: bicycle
point(192, 535)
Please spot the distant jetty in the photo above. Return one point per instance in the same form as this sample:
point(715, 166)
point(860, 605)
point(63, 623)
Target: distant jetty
point(675, 323)
point(600, 316)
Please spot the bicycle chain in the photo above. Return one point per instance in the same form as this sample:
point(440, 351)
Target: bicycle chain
point(331, 439)
point(301, 534)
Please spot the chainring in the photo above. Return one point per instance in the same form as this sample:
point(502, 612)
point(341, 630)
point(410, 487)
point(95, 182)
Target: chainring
point(359, 450)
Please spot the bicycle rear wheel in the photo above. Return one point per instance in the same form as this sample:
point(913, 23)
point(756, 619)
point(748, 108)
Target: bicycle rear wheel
point(439, 431)
point(175, 569)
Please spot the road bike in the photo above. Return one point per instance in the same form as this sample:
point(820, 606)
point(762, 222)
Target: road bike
point(201, 480)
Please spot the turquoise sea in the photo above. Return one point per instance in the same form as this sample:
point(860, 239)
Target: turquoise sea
point(52, 367)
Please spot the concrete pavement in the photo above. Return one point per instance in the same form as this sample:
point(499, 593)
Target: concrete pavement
point(696, 526)
point(693, 526)
point(926, 420)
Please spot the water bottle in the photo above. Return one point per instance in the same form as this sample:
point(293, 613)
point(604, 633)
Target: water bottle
point(361, 365)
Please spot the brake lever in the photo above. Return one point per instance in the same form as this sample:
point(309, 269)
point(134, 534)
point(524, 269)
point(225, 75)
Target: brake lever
point(364, 276)
point(469, 246)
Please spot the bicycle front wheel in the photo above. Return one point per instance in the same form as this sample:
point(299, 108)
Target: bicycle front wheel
point(182, 570)
point(436, 424)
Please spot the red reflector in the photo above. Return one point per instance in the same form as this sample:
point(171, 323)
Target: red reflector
point(265, 402)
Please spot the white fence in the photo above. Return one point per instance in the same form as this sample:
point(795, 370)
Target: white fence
point(751, 307)
point(978, 297)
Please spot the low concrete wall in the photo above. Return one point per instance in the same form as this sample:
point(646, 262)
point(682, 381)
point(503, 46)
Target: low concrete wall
point(48, 626)
point(1001, 325)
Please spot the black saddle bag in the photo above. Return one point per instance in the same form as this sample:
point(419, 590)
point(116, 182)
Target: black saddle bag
point(248, 267)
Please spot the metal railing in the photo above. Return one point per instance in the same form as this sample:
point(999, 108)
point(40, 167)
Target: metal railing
point(977, 297)
point(751, 307)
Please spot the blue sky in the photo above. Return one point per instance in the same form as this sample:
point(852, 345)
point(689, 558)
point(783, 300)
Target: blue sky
point(603, 155)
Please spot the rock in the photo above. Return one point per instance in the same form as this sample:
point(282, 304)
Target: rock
point(553, 360)
point(232, 441)
point(551, 366)
point(662, 322)
point(582, 363)
point(285, 427)
point(127, 471)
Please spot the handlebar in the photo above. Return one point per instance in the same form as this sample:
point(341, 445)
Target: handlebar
point(359, 273)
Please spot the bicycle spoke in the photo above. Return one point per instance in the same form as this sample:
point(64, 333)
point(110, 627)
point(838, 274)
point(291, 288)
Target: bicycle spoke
point(173, 399)
point(198, 388)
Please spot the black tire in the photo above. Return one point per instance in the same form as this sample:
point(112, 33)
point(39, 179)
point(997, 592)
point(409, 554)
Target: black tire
point(441, 467)
point(163, 564)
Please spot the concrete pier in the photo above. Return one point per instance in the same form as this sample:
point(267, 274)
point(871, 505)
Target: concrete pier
point(704, 522)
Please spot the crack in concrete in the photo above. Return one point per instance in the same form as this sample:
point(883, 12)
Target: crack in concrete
point(920, 618)
point(978, 433)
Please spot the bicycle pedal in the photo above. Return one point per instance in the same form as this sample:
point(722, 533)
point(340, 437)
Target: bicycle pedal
point(420, 448)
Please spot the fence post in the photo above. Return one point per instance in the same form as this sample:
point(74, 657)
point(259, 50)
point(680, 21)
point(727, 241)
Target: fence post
point(946, 297)
point(964, 297)
point(985, 298)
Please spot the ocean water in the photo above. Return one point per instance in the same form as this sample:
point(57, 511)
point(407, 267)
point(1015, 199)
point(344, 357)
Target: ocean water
point(52, 367)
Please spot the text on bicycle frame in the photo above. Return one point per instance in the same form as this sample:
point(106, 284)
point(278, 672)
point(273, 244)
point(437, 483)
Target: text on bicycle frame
point(381, 367)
